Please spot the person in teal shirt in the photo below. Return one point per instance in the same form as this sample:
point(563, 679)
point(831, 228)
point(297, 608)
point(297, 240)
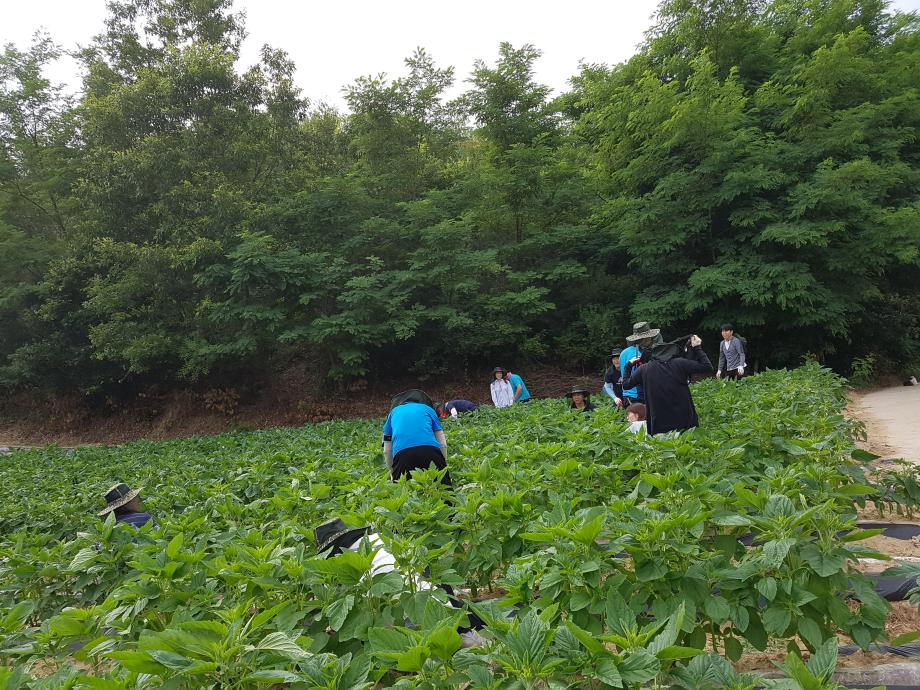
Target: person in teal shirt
point(641, 339)
point(521, 394)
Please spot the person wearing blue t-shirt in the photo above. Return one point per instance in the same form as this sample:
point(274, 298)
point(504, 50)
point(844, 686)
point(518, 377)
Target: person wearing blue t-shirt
point(413, 437)
point(521, 394)
point(641, 338)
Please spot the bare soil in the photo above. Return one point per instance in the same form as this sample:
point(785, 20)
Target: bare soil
point(294, 398)
point(891, 417)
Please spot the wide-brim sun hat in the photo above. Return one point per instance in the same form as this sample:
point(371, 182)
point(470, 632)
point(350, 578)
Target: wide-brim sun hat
point(641, 331)
point(336, 533)
point(119, 494)
point(617, 351)
point(499, 369)
point(577, 389)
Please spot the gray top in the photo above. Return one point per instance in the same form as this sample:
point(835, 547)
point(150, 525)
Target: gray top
point(731, 355)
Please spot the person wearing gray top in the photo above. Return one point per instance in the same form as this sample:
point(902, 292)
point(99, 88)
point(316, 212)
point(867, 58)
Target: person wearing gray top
point(731, 354)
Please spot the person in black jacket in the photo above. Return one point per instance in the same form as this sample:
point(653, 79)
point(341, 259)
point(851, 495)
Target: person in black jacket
point(667, 387)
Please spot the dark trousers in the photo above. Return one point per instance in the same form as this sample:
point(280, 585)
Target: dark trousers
point(408, 460)
point(731, 374)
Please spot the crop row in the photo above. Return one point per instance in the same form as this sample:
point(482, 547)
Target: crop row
point(598, 558)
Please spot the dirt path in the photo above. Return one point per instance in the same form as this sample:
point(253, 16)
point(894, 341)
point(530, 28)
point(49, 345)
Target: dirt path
point(892, 419)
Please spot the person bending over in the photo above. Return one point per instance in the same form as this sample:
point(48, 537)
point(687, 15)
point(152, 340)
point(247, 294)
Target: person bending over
point(413, 437)
point(126, 504)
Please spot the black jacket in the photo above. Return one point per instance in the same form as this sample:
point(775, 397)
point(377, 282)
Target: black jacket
point(667, 390)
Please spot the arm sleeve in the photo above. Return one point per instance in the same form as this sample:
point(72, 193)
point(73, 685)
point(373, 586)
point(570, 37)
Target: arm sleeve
point(722, 361)
point(742, 353)
point(388, 426)
point(633, 379)
point(695, 363)
point(492, 393)
point(608, 389)
point(435, 422)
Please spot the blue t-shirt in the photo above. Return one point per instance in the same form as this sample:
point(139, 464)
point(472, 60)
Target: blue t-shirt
point(625, 356)
point(412, 424)
point(518, 381)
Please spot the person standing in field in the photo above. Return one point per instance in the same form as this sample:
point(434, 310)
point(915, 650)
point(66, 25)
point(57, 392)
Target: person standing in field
point(613, 379)
point(666, 385)
point(641, 339)
point(732, 362)
point(521, 394)
point(413, 437)
point(502, 393)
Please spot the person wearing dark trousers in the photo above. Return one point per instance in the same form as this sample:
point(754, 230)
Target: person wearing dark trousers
point(613, 379)
point(413, 437)
point(666, 386)
point(731, 355)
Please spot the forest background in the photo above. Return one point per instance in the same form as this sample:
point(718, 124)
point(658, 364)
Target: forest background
point(186, 221)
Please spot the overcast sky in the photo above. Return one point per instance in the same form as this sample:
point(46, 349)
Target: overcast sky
point(333, 42)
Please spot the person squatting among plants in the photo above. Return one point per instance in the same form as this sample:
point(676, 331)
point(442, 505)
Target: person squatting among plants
point(334, 537)
point(501, 390)
point(666, 385)
point(581, 399)
point(642, 338)
point(613, 379)
point(413, 437)
point(518, 387)
point(732, 362)
point(454, 408)
point(636, 416)
point(126, 504)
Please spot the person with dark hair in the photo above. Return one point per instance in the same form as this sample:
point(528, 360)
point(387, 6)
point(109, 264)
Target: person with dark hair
point(639, 341)
point(126, 504)
point(613, 379)
point(454, 408)
point(500, 389)
point(731, 354)
point(413, 437)
point(581, 399)
point(636, 416)
point(518, 387)
point(666, 385)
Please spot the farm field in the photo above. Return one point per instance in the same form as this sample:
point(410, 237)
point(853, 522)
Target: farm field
point(597, 558)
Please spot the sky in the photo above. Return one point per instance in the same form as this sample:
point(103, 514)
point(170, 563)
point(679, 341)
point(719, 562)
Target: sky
point(333, 42)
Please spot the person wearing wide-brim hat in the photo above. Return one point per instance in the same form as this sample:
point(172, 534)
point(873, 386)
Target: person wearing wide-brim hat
point(125, 503)
point(333, 537)
point(581, 399)
point(641, 338)
point(500, 389)
point(613, 379)
point(413, 437)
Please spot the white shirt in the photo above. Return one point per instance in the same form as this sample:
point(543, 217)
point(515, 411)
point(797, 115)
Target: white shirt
point(636, 427)
point(502, 393)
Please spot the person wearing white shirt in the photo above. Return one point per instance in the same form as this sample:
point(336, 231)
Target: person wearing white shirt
point(501, 390)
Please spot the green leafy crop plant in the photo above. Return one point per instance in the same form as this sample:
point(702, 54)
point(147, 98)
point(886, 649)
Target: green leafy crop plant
point(598, 558)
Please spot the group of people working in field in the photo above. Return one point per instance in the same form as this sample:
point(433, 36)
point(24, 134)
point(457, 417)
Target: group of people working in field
point(649, 380)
